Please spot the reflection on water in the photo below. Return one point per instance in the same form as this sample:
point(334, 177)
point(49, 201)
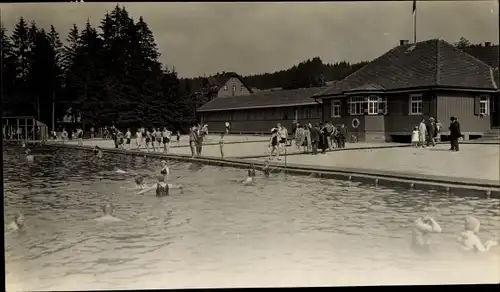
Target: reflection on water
point(288, 231)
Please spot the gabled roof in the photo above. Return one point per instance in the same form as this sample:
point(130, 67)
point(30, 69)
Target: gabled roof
point(268, 99)
point(215, 82)
point(221, 79)
point(432, 63)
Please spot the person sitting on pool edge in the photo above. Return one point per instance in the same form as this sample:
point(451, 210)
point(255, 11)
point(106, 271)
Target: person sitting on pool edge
point(163, 188)
point(108, 210)
point(17, 223)
point(267, 169)
point(469, 239)
point(422, 228)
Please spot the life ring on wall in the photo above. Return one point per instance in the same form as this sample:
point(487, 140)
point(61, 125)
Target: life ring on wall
point(355, 123)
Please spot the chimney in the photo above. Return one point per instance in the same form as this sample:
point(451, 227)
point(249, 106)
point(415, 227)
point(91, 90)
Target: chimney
point(487, 44)
point(404, 42)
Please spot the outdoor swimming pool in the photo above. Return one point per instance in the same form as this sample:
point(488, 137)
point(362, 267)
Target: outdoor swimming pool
point(287, 231)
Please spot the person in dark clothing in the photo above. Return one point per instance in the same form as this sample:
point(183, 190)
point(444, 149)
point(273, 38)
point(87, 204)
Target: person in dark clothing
point(431, 132)
point(323, 139)
point(454, 134)
point(315, 136)
point(342, 136)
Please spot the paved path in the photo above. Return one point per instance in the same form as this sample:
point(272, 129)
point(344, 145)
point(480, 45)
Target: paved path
point(235, 147)
point(473, 162)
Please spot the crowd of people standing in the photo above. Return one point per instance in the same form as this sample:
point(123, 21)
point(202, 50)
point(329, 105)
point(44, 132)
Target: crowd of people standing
point(320, 136)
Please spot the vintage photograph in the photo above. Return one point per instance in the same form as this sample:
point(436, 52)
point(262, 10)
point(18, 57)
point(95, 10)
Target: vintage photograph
point(150, 145)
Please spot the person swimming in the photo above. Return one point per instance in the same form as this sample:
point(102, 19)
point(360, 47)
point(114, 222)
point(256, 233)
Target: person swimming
point(108, 210)
point(17, 224)
point(266, 170)
point(422, 228)
point(163, 188)
point(249, 180)
point(97, 151)
point(165, 170)
point(470, 241)
point(29, 156)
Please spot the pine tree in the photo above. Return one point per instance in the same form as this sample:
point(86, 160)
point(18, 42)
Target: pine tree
point(8, 71)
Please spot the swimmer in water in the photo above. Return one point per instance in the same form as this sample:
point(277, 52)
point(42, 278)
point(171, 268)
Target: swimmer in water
point(266, 170)
point(29, 157)
point(17, 223)
point(164, 170)
point(469, 239)
point(422, 228)
point(163, 188)
point(97, 151)
point(249, 180)
point(108, 210)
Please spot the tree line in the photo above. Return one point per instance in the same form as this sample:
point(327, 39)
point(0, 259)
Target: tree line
point(111, 74)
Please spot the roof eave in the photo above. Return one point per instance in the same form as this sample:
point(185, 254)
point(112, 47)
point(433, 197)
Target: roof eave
point(200, 110)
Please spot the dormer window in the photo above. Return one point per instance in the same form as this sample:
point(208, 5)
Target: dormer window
point(225, 87)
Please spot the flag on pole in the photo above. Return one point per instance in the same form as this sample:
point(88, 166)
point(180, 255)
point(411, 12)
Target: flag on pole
point(414, 6)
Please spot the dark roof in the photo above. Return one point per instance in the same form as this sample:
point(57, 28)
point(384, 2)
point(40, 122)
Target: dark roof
point(268, 99)
point(431, 63)
point(489, 55)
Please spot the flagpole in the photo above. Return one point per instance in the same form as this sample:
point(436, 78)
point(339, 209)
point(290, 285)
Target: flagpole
point(414, 21)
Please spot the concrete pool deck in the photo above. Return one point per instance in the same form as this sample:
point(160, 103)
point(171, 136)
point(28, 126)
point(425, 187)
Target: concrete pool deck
point(430, 168)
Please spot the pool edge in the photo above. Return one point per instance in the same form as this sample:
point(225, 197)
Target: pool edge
point(451, 187)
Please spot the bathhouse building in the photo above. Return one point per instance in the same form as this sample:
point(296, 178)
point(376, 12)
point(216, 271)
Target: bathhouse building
point(384, 100)
point(260, 111)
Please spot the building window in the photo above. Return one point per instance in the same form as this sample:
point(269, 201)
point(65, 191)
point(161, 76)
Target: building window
point(484, 105)
point(242, 88)
point(336, 109)
point(377, 105)
point(416, 107)
point(356, 105)
point(234, 88)
point(225, 87)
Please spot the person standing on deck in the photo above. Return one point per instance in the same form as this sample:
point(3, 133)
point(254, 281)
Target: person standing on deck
point(315, 136)
point(342, 136)
point(422, 132)
point(329, 128)
point(201, 135)
point(455, 133)
point(431, 131)
point(323, 138)
point(283, 137)
point(307, 135)
point(221, 145)
point(193, 140)
point(166, 135)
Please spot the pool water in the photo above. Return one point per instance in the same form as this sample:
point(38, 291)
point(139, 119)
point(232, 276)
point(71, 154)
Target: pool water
point(285, 231)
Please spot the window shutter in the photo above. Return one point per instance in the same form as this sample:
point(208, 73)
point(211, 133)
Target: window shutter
point(477, 105)
point(405, 105)
point(345, 107)
point(426, 104)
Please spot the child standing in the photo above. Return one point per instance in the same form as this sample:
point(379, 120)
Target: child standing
point(221, 145)
point(414, 137)
point(178, 137)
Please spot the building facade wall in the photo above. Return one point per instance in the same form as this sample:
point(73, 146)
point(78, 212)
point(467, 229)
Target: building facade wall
point(398, 120)
point(463, 106)
point(261, 120)
point(227, 89)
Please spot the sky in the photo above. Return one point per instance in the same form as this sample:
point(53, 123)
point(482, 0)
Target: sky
point(258, 37)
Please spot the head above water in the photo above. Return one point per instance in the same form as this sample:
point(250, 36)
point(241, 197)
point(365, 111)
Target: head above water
point(161, 178)
point(472, 224)
point(139, 180)
point(19, 220)
point(108, 208)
